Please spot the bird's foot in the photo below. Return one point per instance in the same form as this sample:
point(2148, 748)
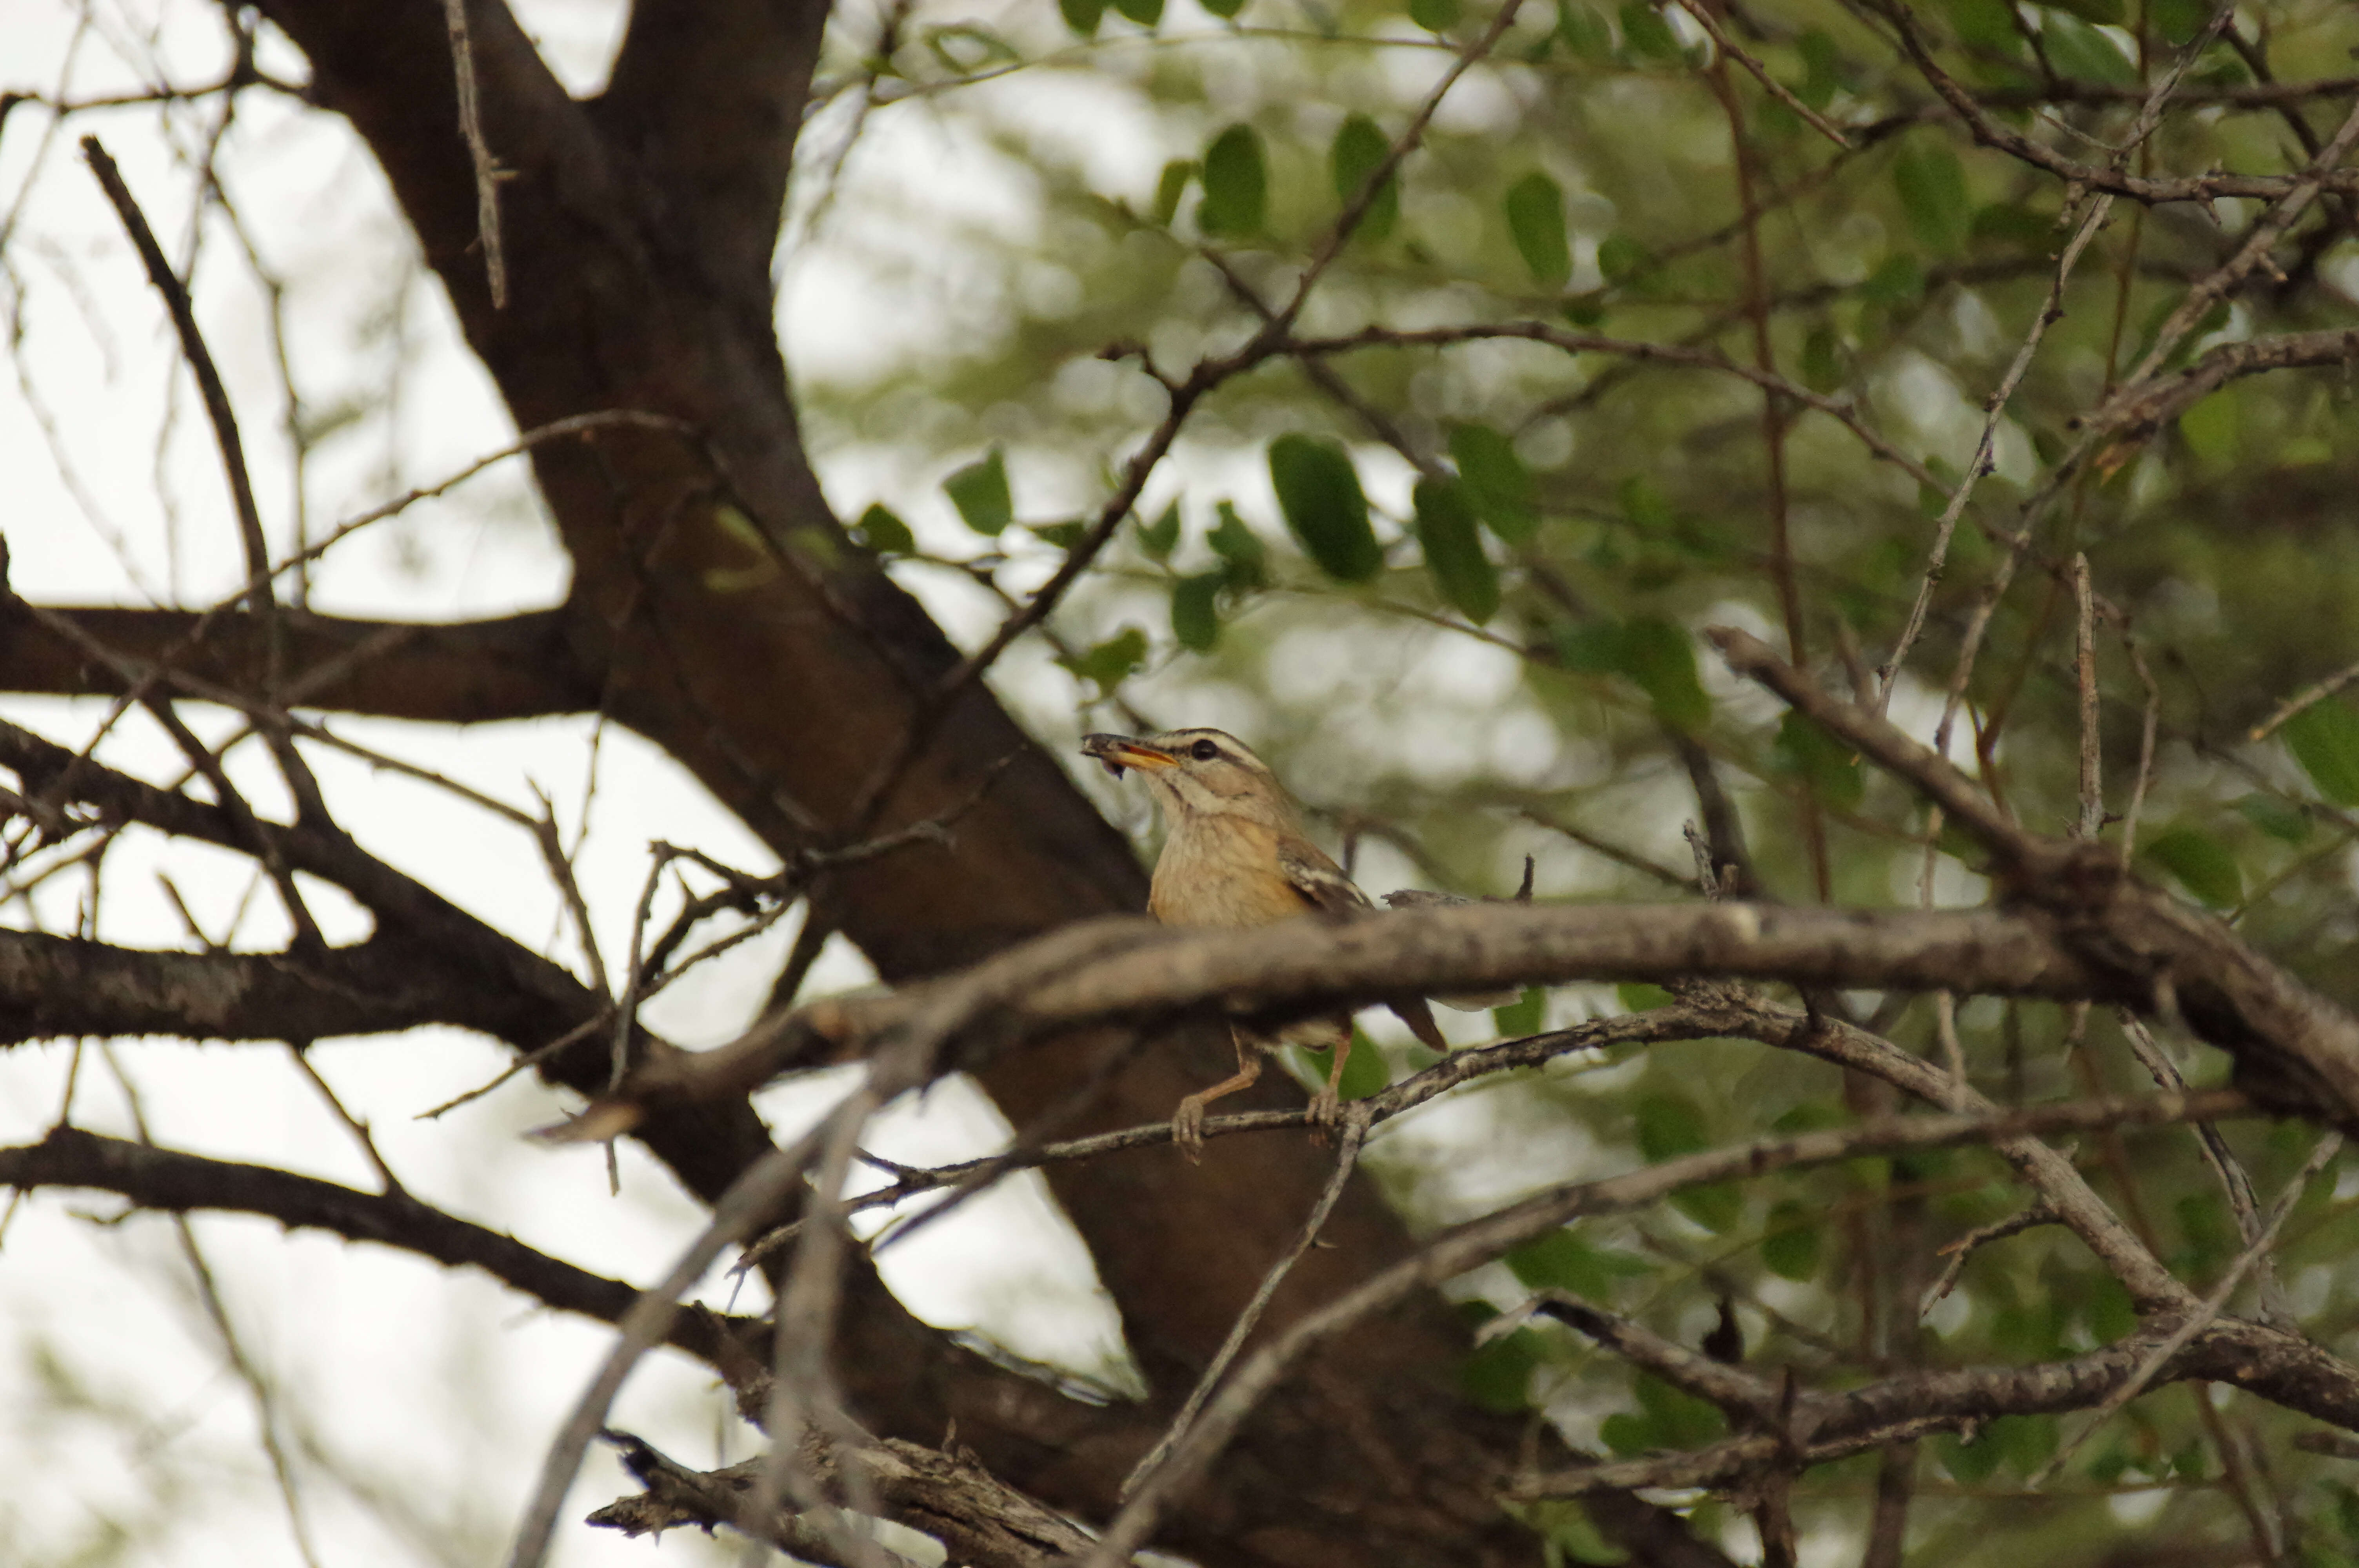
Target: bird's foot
point(1326, 1115)
point(1188, 1129)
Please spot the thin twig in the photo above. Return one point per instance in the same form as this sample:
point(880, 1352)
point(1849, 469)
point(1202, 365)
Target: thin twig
point(1347, 1157)
point(2146, 734)
point(488, 173)
point(2234, 1180)
point(1979, 465)
point(2085, 664)
point(2309, 696)
point(1760, 73)
point(2202, 1318)
point(257, 1387)
point(1964, 1247)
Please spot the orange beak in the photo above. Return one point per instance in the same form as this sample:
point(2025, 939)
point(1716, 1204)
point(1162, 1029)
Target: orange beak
point(1120, 752)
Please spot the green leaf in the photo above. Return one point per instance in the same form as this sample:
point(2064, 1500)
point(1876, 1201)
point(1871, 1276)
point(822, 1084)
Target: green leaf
point(1719, 1207)
point(1897, 282)
point(1064, 535)
point(2202, 863)
point(1822, 69)
point(2109, 1311)
point(1576, 1536)
point(1237, 184)
point(1644, 29)
point(1792, 1247)
point(1159, 537)
point(1969, 1464)
point(883, 532)
point(1522, 1016)
point(2013, 223)
point(1244, 559)
point(1083, 15)
point(1497, 481)
point(2278, 818)
point(1669, 1125)
point(1146, 12)
point(1637, 996)
point(1831, 768)
point(1111, 660)
point(1680, 1420)
point(1628, 1434)
point(1325, 510)
point(1453, 549)
point(2076, 48)
point(1643, 505)
point(1564, 1261)
point(1584, 32)
point(1932, 184)
point(2213, 428)
point(1822, 363)
point(1435, 15)
point(1987, 25)
point(1359, 148)
point(2024, 1443)
point(1536, 219)
point(1660, 656)
point(1622, 258)
point(979, 490)
point(2324, 738)
point(1589, 647)
point(1177, 177)
point(2179, 20)
point(965, 48)
point(1366, 1071)
point(1195, 612)
point(1498, 1376)
point(1226, 10)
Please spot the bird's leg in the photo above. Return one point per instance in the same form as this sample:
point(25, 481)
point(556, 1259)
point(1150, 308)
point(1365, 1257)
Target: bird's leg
point(1188, 1121)
point(1327, 1105)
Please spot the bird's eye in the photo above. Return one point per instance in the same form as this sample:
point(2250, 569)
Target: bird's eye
point(1204, 751)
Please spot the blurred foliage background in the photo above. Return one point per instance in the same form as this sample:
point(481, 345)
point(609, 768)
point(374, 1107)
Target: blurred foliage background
point(1614, 174)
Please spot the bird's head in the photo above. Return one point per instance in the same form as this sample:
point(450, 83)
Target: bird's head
point(1197, 773)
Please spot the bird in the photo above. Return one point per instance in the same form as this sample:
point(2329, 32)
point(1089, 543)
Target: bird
point(1235, 856)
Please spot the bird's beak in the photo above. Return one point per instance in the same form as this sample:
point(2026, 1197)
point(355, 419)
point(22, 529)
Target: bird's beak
point(1120, 752)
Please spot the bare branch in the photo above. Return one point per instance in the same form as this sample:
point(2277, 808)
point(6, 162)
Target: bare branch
point(980, 1518)
point(173, 1182)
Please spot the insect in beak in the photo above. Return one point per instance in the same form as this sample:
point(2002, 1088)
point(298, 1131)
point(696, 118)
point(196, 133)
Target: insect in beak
point(1119, 753)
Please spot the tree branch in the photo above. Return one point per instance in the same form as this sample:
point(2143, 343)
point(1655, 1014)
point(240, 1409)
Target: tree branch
point(68, 985)
point(950, 1496)
point(174, 1182)
point(1131, 970)
point(519, 666)
point(2294, 1048)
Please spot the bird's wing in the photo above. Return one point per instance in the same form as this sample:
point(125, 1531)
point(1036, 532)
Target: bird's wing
point(1320, 881)
point(1323, 885)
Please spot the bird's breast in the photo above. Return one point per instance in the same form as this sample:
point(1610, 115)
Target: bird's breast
point(1227, 877)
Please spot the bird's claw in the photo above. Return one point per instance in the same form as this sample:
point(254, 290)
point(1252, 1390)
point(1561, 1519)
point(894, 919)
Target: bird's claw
point(1326, 1115)
point(1187, 1129)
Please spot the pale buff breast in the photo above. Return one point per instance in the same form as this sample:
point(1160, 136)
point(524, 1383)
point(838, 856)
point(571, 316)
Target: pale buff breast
point(1227, 878)
point(1231, 879)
